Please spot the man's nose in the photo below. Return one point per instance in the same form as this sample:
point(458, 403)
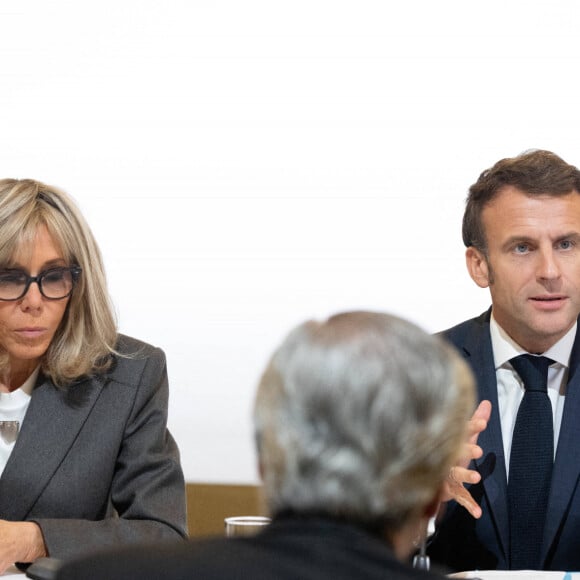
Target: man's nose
point(548, 268)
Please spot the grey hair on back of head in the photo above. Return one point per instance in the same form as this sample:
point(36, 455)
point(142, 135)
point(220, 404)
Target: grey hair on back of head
point(360, 416)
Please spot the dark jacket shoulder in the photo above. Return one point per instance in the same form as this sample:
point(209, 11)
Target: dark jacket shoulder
point(132, 358)
point(466, 327)
point(467, 330)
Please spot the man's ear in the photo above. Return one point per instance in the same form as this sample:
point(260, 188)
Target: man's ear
point(431, 509)
point(477, 267)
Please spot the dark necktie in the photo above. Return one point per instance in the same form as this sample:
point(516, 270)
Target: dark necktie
point(531, 461)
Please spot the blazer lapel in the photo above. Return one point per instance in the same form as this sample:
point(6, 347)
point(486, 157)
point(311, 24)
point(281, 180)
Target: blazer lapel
point(479, 353)
point(566, 471)
point(52, 422)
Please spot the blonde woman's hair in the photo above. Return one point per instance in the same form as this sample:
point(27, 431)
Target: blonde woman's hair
point(87, 334)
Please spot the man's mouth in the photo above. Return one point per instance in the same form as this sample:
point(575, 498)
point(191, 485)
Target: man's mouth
point(548, 299)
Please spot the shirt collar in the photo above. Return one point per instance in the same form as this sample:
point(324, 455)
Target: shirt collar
point(30, 382)
point(505, 348)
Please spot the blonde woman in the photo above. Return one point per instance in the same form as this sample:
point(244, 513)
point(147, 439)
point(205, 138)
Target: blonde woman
point(86, 460)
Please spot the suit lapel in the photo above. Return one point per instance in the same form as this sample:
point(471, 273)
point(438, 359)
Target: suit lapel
point(52, 422)
point(566, 470)
point(476, 346)
point(479, 353)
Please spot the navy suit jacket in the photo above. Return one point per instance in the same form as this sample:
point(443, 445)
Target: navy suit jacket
point(464, 543)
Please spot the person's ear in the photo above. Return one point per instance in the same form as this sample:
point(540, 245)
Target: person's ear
point(432, 508)
point(477, 266)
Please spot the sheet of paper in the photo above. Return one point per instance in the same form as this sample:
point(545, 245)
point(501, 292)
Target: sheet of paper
point(13, 572)
point(516, 575)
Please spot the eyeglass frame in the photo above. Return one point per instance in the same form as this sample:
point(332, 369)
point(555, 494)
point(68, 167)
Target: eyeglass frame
point(75, 272)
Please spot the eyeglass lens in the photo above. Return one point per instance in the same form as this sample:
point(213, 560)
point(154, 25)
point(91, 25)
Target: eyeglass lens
point(55, 283)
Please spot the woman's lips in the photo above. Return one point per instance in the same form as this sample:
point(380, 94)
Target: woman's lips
point(30, 332)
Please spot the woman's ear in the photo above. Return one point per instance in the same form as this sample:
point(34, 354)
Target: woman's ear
point(478, 267)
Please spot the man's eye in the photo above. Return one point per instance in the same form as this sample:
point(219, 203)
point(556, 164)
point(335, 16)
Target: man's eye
point(521, 248)
point(566, 244)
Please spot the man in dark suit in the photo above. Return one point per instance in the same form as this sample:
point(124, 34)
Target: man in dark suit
point(521, 228)
point(358, 420)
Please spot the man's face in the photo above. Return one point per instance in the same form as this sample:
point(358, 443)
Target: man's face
point(532, 267)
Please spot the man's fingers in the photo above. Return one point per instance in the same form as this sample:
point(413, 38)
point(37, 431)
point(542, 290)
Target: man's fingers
point(478, 421)
point(464, 499)
point(483, 411)
point(475, 452)
point(460, 475)
point(469, 451)
point(455, 480)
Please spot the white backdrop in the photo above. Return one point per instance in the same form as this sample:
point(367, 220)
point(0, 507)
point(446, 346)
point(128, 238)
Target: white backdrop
point(246, 165)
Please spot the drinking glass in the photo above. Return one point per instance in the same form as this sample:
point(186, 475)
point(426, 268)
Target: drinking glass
point(245, 525)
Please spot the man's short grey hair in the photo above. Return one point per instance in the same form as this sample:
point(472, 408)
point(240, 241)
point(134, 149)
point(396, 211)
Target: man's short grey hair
point(360, 416)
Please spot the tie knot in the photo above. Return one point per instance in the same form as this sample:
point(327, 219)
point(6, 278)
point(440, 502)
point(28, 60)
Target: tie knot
point(533, 371)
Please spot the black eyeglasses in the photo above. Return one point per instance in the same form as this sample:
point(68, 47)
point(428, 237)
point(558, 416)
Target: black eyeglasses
point(54, 284)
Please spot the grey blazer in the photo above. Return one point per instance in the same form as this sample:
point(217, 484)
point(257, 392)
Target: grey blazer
point(94, 464)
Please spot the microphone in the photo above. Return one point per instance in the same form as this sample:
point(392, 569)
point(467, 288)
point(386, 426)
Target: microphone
point(421, 561)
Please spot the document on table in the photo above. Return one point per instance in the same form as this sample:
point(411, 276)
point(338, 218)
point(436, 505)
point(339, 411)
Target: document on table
point(13, 572)
point(517, 575)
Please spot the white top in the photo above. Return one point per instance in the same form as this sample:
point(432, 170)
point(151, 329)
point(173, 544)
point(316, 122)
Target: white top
point(13, 407)
point(510, 389)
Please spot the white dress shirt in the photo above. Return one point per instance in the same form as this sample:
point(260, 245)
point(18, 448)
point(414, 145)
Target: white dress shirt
point(510, 389)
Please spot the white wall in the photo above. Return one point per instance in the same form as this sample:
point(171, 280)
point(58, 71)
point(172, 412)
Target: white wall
point(249, 164)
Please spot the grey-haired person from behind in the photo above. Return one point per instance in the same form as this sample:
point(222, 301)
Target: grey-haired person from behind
point(358, 419)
